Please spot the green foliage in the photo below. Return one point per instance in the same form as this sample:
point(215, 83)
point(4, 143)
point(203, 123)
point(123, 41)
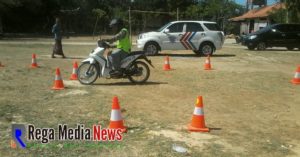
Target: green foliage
point(37, 16)
point(279, 16)
point(99, 13)
point(294, 10)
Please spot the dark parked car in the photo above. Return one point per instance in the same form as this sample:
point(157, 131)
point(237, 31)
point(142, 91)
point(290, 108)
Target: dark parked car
point(277, 35)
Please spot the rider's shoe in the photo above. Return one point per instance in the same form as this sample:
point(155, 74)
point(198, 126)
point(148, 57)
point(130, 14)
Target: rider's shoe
point(115, 73)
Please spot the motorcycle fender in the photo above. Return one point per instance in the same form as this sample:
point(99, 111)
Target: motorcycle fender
point(91, 60)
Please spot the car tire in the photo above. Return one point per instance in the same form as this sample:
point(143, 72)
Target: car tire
point(261, 46)
point(251, 47)
point(151, 48)
point(290, 48)
point(206, 49)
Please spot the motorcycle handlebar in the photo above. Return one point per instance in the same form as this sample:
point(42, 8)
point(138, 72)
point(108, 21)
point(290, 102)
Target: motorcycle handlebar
point(104, 44)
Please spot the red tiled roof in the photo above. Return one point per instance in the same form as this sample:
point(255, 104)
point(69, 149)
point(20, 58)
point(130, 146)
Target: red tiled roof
point(259, 12)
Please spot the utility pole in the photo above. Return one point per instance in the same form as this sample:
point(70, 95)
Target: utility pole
point(129, 21)
point(287, 13)
point(177, 12)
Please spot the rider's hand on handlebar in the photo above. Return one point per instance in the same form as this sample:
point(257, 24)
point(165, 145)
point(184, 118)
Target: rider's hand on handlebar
point(103, 43)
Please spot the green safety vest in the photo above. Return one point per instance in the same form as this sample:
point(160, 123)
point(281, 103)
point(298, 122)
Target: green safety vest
point(124, 43)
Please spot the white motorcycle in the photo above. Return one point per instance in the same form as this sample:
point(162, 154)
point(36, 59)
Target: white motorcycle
point(98, 64)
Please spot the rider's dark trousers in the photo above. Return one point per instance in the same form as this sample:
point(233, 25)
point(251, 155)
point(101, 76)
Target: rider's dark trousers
point(116, 57)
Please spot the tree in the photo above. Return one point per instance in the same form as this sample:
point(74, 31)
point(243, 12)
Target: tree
point(5, 8)
point(100, 14)
point(278, 16)
point(293, 7)
point(37, 16)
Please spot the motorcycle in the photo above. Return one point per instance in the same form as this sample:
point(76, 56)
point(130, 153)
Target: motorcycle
point(98, 64)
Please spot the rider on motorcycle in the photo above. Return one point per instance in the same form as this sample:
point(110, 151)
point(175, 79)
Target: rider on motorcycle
point(123, 45)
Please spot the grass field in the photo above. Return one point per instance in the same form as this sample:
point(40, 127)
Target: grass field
point(250, 104)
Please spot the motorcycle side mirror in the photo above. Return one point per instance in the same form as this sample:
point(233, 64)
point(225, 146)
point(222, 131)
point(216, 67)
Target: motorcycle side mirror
point(166, 30)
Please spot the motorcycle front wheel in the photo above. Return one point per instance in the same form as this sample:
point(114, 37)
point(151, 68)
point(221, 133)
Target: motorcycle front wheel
point(87, 73)
point(139, 72)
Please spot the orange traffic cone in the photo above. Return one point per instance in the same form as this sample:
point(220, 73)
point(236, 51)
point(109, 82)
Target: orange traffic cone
point(198, 122)
point(207, 65)
point(1, 65)
point(58, 82)
point(33, 61)
point(167, 64)
point(116, 120)
point(296, 79)
point(74, 73)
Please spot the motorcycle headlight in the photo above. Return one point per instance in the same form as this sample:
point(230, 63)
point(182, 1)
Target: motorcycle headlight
point(252, 37)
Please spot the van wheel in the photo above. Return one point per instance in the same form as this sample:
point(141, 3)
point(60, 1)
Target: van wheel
point(290, 48)
point(251, 47)
point(206, 49)
point(151, 48)
point(261, 46)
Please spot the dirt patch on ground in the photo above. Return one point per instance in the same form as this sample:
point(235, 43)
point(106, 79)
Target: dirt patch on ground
point(72, 83)
point(73, 93)
point(193, 139)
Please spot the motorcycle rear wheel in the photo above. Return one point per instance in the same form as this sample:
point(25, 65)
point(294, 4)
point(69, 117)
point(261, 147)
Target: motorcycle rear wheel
point(140, 72)
point(87, 73)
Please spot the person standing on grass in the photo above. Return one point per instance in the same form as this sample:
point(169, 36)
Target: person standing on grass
point(57, 48)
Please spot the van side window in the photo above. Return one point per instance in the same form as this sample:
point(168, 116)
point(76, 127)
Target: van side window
point(193, 27)
point(212, 26)
point(282, 28)
point(175, 28)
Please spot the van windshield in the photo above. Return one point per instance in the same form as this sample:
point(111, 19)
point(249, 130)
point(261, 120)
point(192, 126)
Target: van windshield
point(265, 29)
point(163, 27)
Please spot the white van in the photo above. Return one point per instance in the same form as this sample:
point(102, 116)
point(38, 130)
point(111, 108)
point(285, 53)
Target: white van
point(203, 37)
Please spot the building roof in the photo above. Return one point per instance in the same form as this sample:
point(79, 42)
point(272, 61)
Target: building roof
point(259, 12)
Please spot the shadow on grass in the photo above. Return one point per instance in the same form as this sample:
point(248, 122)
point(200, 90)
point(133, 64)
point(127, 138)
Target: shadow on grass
point(273, 49)
point(68, 57)
point(215, 129)
point(129, 84)
point(194, 55)
point(223, 55)
point(134, 128)
point(176, 55)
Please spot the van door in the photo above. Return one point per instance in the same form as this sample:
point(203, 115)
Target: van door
point(282, 38)
point(297, 43)
point(171, 37)
point(292, 36)
point(191, 38)
point(276, 36)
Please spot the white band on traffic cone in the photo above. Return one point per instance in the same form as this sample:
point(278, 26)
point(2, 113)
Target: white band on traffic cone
point(198, 111)
point(58, 77)
point(115, 115)
point(74, 70)
point(297, 75)
point(207, 61)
